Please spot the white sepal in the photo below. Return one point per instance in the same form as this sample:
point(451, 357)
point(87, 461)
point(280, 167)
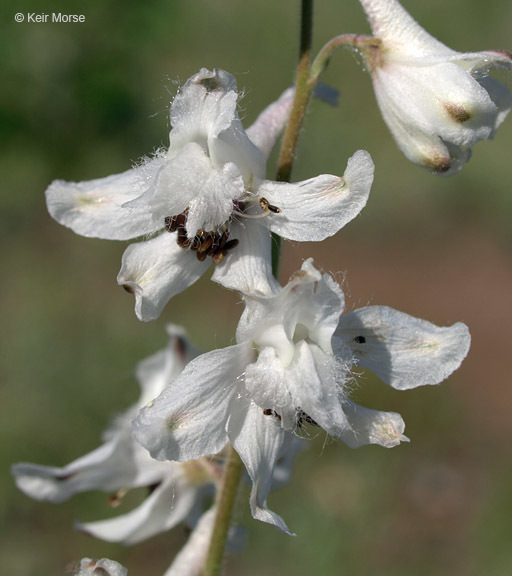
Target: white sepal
point(404, 351)
point(315, 209)
point(155, 271)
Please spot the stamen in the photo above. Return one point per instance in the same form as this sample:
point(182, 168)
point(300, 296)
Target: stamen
point(267, 207)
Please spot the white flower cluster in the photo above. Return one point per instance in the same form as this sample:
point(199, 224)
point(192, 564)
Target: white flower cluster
point(206, 200)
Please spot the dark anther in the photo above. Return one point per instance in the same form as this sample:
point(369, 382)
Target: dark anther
point(360, 339)
point(171, 223)
point(267, 207)
point(303, 417)
point(215, 243)
point(270, 412)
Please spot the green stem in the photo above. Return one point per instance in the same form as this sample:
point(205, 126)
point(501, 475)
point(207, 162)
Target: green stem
point(226, 498)
point(347, 40)
point(303, 93)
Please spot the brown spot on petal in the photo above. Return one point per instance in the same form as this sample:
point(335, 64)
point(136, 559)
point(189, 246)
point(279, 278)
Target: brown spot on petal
point(211, 84)
point(128, 288)
point(457, 112)
point(437, 164)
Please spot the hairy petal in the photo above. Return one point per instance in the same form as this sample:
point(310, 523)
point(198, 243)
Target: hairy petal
point(404, 351)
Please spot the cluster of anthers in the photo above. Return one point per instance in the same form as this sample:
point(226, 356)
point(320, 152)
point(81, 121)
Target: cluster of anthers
point(214, 243)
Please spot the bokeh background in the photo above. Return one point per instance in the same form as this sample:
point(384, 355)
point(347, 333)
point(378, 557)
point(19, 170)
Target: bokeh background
point(81, 101)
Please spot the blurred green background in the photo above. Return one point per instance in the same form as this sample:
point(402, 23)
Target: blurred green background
point(81, 101)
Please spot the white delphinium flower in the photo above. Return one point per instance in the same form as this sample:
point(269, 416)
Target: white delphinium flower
point(120, 464)
point(102, 567)
point(291, 366)
point(207, 197)
point(437, 102)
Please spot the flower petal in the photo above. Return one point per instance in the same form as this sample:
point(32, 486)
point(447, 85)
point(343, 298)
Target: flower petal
point(267, 128)
point(95, 208)
point(109, 468)
point(258, 439)
point(172, 427)
point(155, 271)
point(191, 559)
point(405, 352)
point(167, 506)
point(309, 301)
point(155, 372)
point(315, 209)
point(372, 427)
point(101, 567)
point(205, 105)
point(391, 23)
point(248, 267)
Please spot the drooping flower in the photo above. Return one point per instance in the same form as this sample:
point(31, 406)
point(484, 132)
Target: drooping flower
point(291, 366)
point(438, 103)
point(176, 490)
point(102, 567)
point(206, 199)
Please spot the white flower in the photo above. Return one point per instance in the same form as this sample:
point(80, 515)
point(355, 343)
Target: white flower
point(292, 367)
point(102, 567)
point(120, 464)
point(206, 196)
point(437, 102)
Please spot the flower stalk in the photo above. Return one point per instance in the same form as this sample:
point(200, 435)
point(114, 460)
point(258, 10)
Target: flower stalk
point(225, 506)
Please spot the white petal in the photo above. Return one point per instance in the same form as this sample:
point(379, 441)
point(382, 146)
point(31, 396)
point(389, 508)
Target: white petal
point(191, 559)
point(173, 426)
point(396, 27)
point(248, 267)
point(267, 128)
point(155, 271)
point(233, 145)
point(213, 203)
point(109, 468)
point(95, 208)
point(168, 505)
point(372, 427)
point(102, 567)
point(315, 209)
point(258, 439)
point(155, 372)
point(403, 351)
point(206, 104)
point(309, 301)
